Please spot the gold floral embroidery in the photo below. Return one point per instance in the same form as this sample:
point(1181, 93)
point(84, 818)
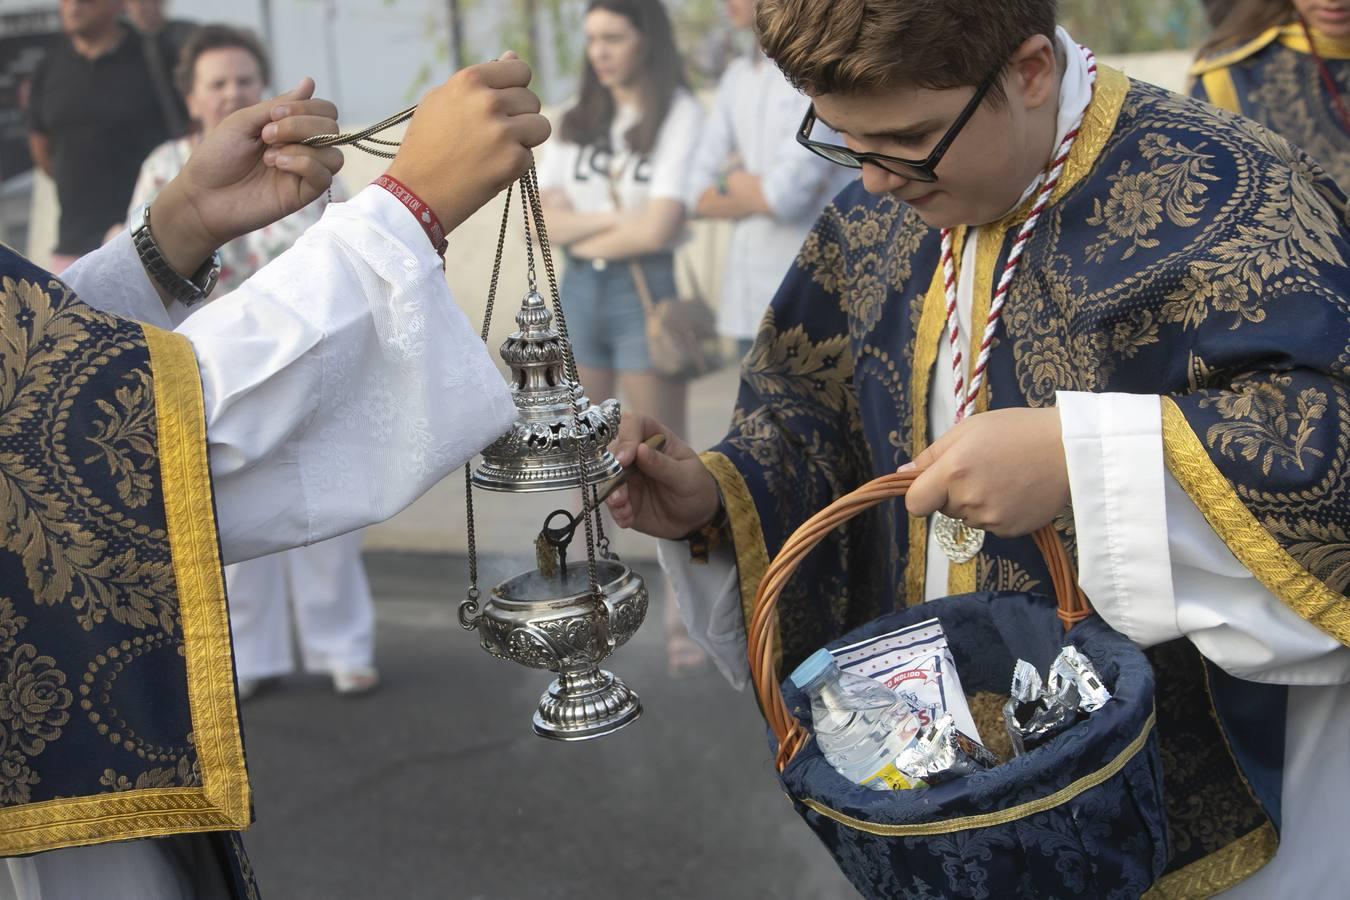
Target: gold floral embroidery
point(125, 440)
point(187, 773)
point(63, 561)
point(33, 707)
point(1260, 425)
point(1324, 549)
point(1172, 187)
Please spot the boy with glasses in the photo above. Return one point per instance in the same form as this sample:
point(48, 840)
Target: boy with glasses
point(1054, 284)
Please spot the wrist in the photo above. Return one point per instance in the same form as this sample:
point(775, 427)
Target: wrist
point(183, 240)
point(425, 215)
point(448, 206)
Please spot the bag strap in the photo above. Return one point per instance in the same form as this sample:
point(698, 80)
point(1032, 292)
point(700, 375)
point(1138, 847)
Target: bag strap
point(639, 277)
point(762, 630)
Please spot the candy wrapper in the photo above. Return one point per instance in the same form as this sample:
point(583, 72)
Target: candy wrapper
point(1035, 713)
point(916, 663)
point(941, 752)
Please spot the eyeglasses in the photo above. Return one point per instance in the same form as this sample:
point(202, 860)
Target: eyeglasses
point(913, 169)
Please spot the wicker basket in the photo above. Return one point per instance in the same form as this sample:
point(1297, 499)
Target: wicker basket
point(1080, 816)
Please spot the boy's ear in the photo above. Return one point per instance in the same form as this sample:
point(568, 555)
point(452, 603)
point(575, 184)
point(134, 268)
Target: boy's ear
point(1033, 69)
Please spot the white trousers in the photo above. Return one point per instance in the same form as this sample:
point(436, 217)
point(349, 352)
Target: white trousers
point(324, 586)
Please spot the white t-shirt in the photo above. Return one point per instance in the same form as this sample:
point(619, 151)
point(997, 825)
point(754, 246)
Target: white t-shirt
point(584, 172)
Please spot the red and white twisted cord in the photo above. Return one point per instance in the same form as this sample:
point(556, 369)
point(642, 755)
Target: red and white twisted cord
point(965, 399)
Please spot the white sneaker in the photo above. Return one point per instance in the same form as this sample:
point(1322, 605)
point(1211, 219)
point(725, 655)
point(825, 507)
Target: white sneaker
point(351, 682)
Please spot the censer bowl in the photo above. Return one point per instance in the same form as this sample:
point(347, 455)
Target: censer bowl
point(551, 622)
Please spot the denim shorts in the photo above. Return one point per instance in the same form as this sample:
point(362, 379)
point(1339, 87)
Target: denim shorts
point(604, 313)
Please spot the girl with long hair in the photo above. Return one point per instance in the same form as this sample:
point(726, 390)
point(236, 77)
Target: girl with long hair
point(1286, 64)
point(613, 183)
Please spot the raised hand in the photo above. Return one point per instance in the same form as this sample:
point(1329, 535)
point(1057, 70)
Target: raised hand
point(250, 171)
point(669, 492)
point(470, 138)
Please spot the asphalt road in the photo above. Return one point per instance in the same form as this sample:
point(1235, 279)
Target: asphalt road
point(435, 787)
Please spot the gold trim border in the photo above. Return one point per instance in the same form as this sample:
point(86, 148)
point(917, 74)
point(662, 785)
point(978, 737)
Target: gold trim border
point(1012, 814)
point(1220, 89)
point(1236, 55)
point(1252, 544)
point(1226, 867)
point(222, 803)
point(747, 536)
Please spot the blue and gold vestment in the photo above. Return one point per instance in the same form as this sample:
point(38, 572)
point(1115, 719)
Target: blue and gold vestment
point(1186, 254)
point(1274, 80)
point(118, 717)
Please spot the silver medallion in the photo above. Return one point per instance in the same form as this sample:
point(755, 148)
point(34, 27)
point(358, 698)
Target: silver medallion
point(959, 542)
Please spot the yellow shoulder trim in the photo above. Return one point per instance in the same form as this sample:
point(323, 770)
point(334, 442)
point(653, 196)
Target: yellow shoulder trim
point(1254, 547)
point(1221, 90)
point(1237, 55)
point(747, 535)
point(222, 802)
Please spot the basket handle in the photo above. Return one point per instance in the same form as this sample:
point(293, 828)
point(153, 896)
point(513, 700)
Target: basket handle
point(762, 636)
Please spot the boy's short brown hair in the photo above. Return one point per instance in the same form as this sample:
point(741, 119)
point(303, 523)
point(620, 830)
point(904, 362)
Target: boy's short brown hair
point(857, 46)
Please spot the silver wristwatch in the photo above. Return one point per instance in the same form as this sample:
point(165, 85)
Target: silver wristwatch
point(187, 291)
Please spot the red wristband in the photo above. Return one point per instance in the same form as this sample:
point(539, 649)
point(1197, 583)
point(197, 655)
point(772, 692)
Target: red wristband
point(425, 217)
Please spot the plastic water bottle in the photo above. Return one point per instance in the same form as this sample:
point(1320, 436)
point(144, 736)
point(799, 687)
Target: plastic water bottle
point(860, 724)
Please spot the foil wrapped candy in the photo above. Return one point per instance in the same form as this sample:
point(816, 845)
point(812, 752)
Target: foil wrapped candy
point(1037, 711)
point(940, 752)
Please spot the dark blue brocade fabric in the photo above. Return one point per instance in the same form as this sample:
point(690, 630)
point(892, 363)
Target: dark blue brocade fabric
point(1109, 841)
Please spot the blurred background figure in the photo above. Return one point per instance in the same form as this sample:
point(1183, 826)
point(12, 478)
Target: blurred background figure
point(613, 180)
point(749, 170)
point(223, 69)
point(94, 113)
point(1286, 64)
point(164, 40)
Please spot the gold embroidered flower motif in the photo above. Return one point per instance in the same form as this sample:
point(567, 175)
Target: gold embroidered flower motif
point(33, 699)
point(11, 623)
point(16, 778)
point(1133, 209)
point(1173, 189)
point(1203, 292)
point(126, 440)
point(1260, 425)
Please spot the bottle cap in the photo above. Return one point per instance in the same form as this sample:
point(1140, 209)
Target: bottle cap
point(815, 665)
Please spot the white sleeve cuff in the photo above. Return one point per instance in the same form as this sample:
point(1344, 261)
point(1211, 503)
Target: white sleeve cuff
point(112, 279)
point(1113, 448)
point(709, 596)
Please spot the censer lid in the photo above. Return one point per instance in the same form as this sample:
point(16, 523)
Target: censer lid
point(557, 427)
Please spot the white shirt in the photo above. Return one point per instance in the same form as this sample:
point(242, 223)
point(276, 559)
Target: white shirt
point(755, 118)
point(325, 379)
point(584, 172)
point(1155, 571)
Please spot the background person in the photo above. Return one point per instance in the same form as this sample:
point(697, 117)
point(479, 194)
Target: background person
point(750, 171)
point(163, 44)
point(1286, 64)
point(224, 69)
point(629, 136)
point(93, 114)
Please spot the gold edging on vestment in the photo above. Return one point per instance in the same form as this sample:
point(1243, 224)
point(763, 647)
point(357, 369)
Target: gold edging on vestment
point(1221, 90)
point(1002, 817)
point(747, 536)
point(1224, 868)
point(1236, 55)
point(222, 801)
point(1252, 544)
point(932, 327)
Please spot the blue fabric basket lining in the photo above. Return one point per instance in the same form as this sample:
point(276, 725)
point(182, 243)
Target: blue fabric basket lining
point(1081, 815)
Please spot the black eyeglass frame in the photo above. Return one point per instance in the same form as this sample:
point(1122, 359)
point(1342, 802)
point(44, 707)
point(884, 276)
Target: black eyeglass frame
point(924, 170)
